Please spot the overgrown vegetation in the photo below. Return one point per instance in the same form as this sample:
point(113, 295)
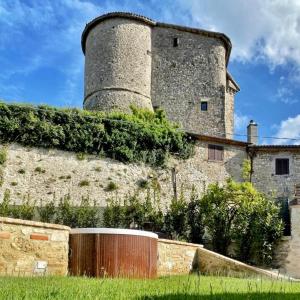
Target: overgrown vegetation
point(234, 214)
point(65, 212)
point(143, 136)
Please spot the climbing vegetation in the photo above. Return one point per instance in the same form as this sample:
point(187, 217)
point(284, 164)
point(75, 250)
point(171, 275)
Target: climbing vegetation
point(142, 136)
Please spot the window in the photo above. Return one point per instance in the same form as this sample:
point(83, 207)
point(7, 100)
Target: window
point(175, 42)
point(204, 105)
point(282, 166)
point(215, 152)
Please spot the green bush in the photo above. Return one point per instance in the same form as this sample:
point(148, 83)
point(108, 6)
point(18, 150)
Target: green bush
point(111, 186)
point(24, 211)
point(237, 212)
point(47, 212)
point(142, 136)
point(5, 205)
point(176, 219)
point(3, 155)
point(134, 212)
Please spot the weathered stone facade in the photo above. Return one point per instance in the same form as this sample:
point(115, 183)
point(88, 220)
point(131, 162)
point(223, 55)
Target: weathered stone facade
point(264, 176)
point(130, 59)
point(44, 174)
point(33, 248)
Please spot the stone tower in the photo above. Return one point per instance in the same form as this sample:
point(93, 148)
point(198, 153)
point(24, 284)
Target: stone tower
point(130, 59)
point(117, 51)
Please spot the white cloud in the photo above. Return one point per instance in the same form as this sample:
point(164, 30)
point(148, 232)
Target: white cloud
point(288, 132)
point(240, 123)
point(268, 30)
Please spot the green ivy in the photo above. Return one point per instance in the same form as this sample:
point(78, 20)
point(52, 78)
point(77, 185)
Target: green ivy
point(142, 136)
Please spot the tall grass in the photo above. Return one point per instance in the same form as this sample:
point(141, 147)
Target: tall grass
point(175, 287)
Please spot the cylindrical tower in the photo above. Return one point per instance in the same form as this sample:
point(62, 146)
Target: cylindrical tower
point(117, 48)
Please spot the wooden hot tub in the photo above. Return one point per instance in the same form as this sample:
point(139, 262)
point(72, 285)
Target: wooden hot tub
point(111, 252)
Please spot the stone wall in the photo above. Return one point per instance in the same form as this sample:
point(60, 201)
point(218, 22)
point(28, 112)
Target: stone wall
point(118, 65)
point(185, 75)
point(290, 263)
point(265, 179)
point(175, 257)
point(33, 248)
point(47, 174)
point(130, 59)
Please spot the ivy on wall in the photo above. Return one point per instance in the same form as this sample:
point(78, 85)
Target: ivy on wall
point(142, 136)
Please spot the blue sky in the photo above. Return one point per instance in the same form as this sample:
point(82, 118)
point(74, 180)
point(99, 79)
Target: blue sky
point(41, 59)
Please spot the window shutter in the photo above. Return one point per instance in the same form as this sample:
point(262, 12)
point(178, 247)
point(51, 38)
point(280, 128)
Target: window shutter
point(211, 152)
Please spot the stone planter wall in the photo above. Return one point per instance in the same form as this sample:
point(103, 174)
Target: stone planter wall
point(33, 248)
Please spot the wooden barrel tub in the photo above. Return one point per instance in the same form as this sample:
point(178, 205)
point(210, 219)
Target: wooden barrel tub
point(101, 252)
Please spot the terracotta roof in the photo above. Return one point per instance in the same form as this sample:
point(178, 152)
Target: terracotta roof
point(220, 140)
point(150, 22)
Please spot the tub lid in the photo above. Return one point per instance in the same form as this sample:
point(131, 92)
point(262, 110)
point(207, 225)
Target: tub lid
point(113, 231)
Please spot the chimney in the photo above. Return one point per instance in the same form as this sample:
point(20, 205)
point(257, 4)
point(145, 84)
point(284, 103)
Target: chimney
point(252, 133)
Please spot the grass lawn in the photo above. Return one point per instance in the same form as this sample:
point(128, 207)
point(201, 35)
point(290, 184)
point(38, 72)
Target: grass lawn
point(175, 287)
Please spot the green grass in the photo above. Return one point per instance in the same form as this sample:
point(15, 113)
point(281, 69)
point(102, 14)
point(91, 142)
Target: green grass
point(175, 287)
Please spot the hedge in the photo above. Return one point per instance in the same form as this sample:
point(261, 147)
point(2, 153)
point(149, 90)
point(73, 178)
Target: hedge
point(142, 136)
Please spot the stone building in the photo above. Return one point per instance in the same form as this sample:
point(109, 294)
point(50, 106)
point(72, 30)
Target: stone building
point(130, 59)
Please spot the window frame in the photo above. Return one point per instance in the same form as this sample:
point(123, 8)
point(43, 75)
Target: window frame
point(175, 42)
point(215, 152)
point(280, 168)
point(206, 105)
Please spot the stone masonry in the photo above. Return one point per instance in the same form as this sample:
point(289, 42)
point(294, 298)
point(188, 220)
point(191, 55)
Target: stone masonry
point(130, 59)
point(47, 174)
point(33, 248)
point(264, 177)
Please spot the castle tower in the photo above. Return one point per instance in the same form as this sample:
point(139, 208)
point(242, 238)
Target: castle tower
point(132, 60)
point(117, 50)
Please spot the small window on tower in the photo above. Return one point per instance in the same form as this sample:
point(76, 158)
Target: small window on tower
point(204, 105)
point(175, 42)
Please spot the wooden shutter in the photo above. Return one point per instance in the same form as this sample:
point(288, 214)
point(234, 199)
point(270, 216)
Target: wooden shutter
point(215, 152)
point(211, 152)
point(282, 166)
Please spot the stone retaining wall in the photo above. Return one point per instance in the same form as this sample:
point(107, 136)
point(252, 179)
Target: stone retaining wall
point(175, 257)
point(33, 248)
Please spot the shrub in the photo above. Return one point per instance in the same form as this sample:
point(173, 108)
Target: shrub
point(111, 186)
point(21, 171)
point(195, 218)
point(86, 215)
point(143, 136)
point(5, 206)
point(24, 211)
point(65, 213)
point(133, 213)
point(176, 219)
point(238, 212)
point(81, 156)
point(39, 170)
point(143, 183)
point(3, 155)
point(84, 183)
point(47, 212)
point(113, 215)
